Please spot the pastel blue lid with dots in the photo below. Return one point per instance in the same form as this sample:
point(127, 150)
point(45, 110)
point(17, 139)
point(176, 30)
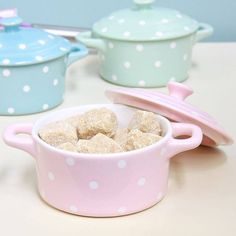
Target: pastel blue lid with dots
point(26, 45)
point(144, 22)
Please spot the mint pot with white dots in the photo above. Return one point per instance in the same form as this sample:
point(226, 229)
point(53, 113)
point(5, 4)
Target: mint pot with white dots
point(103, 185)
point(145, 46)
point(32, 67)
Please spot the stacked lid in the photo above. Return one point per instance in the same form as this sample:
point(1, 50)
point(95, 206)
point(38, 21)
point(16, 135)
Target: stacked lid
point(20, 45)
point(145, 22)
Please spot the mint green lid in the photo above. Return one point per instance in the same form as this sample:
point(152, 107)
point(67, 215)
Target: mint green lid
point(144, 22)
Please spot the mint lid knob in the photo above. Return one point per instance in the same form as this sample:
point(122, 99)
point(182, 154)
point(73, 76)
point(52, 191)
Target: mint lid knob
point(144, 3)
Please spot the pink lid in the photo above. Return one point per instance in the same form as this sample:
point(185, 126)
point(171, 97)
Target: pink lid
point(174, 108)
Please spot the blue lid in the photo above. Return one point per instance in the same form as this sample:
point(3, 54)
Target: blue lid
point(26, 45)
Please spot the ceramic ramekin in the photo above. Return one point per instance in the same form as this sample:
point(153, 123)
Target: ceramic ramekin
point(103, 185)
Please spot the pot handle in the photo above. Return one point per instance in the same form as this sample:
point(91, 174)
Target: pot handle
point(203, 31)
point(176, 146)
point(87, 39)
point(26, 144)
point(77, 52)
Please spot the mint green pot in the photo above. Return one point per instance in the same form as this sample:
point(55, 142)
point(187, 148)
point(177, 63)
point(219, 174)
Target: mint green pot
point(145, 46)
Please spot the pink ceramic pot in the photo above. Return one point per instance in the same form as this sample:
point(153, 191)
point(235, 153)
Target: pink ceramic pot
point(103, 185)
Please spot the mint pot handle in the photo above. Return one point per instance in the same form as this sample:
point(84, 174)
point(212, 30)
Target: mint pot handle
point(176, 146)
point(87, 39)
point(77, 52)
point(203, 31)
point(12, 139)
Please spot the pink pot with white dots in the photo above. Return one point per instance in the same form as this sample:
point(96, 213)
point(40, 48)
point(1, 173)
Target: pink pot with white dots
point(103, 185)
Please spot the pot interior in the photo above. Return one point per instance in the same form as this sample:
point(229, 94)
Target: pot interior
point(124, 115)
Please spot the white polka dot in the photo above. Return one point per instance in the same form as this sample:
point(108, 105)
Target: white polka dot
point(173, 45)
point(73, 208)
point(172, 79)
point(55, 82)
point(51, 36)
point(6, 61)
point(1, 45)
point(158, 64)
point(164, 21)
point(141, 181)
point(114, 77)
point(45, 69)
point(22, 46)
point(186, 28)
point(51, 176)
point(104, 30)
point(121, 210)
point(111, 17)
point(122, 164)
point(11, 110)
point(163, 152)
point(142, 83)
point(159, 196)
point(185, 57)
point(70, 161)
point(42, 42)
point(110, 45)
point(38, 58)
point(142, 22)
point(159, 34)
point(139, 47)
point(126, 33)
point(63, 49)
point(121, 21)
point(179, 16)
point(6, 72)
point(45, 106)
point(26, 88)
point(93, 185)
point(127, 64)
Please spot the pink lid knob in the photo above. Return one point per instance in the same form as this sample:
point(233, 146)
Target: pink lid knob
point(179, 91)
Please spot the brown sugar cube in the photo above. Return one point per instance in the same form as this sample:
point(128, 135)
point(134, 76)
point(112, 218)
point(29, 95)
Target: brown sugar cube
point(97, 121)
point(68, 147)
point(146, 122)
point(121, 137)
point(138, 139)
point(58, 133)
point(100, 143)
point(74, 120)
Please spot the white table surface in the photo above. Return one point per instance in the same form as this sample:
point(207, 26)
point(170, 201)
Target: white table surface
point(202, 183)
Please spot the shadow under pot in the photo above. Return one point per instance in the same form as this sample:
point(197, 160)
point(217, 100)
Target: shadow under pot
point(33, 64)
point(145, 46)
point(103, 185)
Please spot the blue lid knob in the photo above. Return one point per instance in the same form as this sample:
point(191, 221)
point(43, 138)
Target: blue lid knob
point(11, 23)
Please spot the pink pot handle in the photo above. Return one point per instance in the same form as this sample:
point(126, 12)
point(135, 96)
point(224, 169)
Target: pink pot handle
point(26, 144)
point(176, 146)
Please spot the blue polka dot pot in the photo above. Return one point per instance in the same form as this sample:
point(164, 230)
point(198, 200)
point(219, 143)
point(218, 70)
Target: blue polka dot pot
point(145, 46)
point(32, 68)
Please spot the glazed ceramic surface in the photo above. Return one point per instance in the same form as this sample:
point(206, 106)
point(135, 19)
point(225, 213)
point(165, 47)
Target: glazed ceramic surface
point(103, 185)
point(145, 46)
point(32, 67)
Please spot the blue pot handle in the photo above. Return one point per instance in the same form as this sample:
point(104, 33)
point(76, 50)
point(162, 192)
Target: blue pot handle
point(77, 52)
point(203, 31)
